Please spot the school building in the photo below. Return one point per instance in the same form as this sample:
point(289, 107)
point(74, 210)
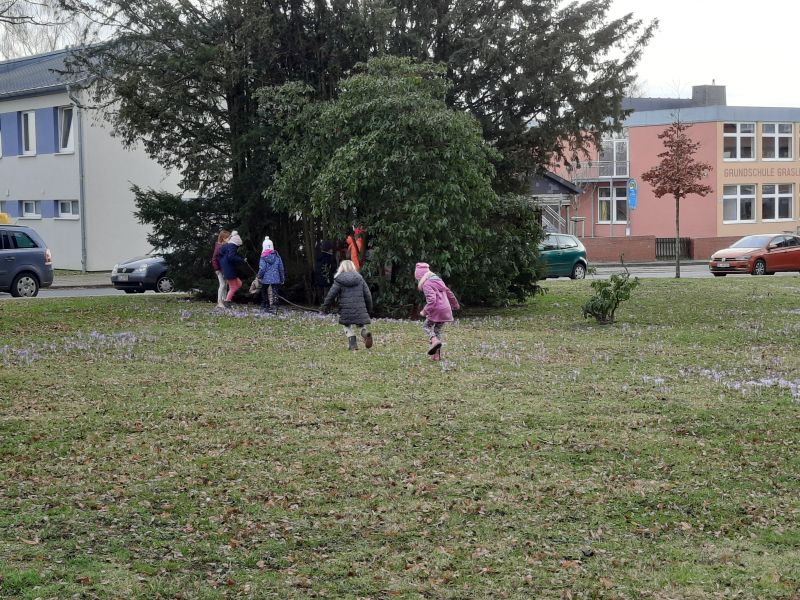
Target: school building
point(63, 173)
point(755, 155)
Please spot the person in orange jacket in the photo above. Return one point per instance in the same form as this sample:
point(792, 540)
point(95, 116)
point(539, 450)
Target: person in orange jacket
point(355, 246)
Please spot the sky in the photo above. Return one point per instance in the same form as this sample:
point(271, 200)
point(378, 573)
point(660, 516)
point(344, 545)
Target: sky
point(748, 46)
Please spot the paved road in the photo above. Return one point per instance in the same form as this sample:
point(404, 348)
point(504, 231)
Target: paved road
point(77, 293)
point(691, 271)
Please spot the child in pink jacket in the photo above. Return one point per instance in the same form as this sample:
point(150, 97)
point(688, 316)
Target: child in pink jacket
point(440, 303)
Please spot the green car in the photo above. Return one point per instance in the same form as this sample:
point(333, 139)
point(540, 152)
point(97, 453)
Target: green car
point(563, 256)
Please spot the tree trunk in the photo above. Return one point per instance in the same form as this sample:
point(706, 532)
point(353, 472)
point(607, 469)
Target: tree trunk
point(677, 237)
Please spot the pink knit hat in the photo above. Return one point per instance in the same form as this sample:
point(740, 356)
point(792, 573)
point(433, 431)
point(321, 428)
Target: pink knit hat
point(420, 270)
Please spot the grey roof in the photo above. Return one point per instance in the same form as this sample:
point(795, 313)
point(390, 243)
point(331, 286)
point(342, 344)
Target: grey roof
point(34, 75)
point(548, 183)
point(710, 114)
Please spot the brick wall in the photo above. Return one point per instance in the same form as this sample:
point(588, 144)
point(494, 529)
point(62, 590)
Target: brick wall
point(635, 249)
point(703, 248)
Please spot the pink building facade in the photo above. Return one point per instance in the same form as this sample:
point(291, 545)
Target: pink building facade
point(755, 179)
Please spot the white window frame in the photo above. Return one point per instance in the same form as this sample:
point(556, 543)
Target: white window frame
point(777, 136)
point(70, 146)
point(30, 117)
point(37, 209)
point(613, 156)
point(72, 212)
point(738, 136)
point(739, 197)
point(776, 196)
point(612, 199)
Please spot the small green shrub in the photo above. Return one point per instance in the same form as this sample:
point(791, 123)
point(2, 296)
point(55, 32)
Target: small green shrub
point(608, 294)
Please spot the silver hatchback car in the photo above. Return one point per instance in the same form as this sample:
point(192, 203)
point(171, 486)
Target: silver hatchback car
point(26, 263)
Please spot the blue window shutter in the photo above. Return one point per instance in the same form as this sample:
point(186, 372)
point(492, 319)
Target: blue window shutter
point(49, 208)
point(46, 126)
point(9, 129)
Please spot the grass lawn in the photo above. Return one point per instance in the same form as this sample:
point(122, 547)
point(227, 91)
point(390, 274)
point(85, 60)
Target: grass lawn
point(153, 447)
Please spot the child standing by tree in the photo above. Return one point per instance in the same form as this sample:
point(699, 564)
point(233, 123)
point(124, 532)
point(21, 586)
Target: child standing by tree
point(440, 303)
point(229, 260)
point(222, 291)
point(271, 276)
point(355, 302)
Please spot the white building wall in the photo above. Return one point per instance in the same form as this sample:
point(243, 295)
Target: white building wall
point(113, 233)
point(46, 178)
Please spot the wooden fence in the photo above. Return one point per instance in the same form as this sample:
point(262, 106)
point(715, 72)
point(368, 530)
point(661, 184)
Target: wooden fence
point(665, 248)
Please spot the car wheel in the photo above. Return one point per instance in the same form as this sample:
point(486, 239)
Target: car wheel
point(719, 274)
point(578, 271)
point(164, 285)
point(760, 268)
point(25, 285)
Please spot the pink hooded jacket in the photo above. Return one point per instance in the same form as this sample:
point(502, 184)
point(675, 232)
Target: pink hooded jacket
point(440, 302)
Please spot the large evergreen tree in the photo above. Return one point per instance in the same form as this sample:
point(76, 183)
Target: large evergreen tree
point(543, 77)
point(181, 76)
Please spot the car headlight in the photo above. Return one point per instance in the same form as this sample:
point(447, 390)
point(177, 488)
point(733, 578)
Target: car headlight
point(142, 269)
point(744, 257)
point(114, 270)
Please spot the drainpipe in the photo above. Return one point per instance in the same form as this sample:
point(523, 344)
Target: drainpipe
point(81, 176)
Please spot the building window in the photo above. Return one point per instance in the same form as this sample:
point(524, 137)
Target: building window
point(776, 141)
point(739, 141)
point(65, 143)
point(738, 203)
point(777, 202)
point(613, 158)
point(68, 209)
point(612, 210)
point(28, 133)
point(32, 209)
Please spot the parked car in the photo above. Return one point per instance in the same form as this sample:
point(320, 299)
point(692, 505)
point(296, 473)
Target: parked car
point(564, 256)
point(142, 273)
point(758, 255)
point(26, 264)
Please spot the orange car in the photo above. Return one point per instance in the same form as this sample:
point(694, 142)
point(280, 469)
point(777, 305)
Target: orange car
point(758, 255)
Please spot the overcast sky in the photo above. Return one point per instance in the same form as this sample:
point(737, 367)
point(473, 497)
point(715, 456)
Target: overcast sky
point(751, 47)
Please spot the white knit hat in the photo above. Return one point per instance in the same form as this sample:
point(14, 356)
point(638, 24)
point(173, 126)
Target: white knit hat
point(267, 244)
point(235, 238)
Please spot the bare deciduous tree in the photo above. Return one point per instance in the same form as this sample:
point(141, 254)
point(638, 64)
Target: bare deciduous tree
point(36, 26)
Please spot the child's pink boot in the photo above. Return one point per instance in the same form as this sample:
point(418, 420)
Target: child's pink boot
point(436, 344)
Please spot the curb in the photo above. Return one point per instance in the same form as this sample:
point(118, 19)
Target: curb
point(78, 286)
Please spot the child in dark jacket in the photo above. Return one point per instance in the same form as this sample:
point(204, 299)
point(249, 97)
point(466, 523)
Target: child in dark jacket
point(271, 276)
point(229, 260)
point(355, 302)
point(440, 303)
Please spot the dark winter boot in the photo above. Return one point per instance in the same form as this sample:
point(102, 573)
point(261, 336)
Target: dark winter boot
point(436, 344)
point(367, 338)
point(352, 343)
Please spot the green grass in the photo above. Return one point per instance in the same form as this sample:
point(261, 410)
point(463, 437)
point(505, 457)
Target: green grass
point(220, 456)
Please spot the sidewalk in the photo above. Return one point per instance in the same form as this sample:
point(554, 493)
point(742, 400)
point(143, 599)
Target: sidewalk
point(654, 263)
point(76, 279)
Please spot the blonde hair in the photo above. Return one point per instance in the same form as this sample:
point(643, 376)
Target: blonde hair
point(224, 234)
point(346, 266)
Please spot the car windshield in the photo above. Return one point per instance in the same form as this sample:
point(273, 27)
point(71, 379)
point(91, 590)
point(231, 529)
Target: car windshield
point(752, 241)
